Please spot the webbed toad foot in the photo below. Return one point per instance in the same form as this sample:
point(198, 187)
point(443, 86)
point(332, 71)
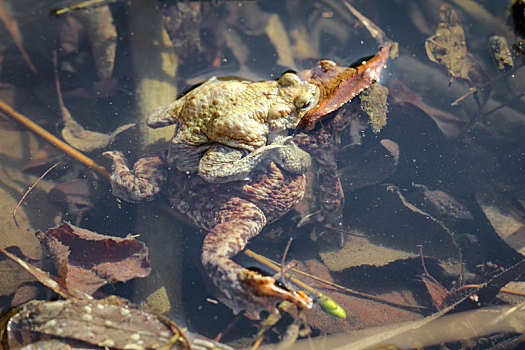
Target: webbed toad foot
point(259, 292)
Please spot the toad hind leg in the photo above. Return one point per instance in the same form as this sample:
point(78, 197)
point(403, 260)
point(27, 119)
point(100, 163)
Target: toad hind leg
point(237, 222)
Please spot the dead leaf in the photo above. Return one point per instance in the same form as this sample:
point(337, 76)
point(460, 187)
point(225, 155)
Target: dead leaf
point(75, 134)
point(75, 197)
point(43, 277)
point(361, 312)
point(439, 204)
point(418, 228)
point(373, 103)
point(102, 35)
point(447, 46)
point(87, 260)
point(13, 29)
point(369, 166)
point(108, 323)
point(339, 85)
point(44, 157)
point(503, 207)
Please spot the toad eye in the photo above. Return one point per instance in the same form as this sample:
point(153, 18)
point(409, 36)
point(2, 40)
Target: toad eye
point(302, 102)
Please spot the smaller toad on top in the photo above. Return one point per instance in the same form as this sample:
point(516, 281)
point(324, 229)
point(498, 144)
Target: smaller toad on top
point(225, 129)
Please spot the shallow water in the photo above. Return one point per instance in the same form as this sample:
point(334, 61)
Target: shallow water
point(447, 178)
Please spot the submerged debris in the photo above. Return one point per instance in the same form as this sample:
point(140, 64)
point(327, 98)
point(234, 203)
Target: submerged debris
point(447, 46)
point(108, 323)
point(373, 102)
point(14, 30)
point(517, 9)
point(500, 52)
point(86, 260)
point(75, 134)
point(102, 35)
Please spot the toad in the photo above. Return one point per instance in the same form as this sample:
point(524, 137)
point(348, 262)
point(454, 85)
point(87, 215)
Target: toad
point(224, 129)
point(236, 211)
point(232, 213)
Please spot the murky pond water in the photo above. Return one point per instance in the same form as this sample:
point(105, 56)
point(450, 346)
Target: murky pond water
point(434, 194)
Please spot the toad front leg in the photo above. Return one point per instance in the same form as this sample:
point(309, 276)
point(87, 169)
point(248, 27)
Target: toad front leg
point(147, 179)
point(222, 164)
point(238, 220)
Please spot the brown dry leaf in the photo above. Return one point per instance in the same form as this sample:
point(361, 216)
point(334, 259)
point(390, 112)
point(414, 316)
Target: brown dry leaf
point(437, 292)
point(339, 85)
point(360, 312)
point(75, 134)
point(109, 323)
point(87, 260)
point(418, 228)
point(43, 277)
point(447, 46)
point(12, 26)
point(373, 103)
point(503, 206)
point(102, 35)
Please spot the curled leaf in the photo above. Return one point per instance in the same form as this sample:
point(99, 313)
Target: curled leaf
point(339, 85)
point(86, 260)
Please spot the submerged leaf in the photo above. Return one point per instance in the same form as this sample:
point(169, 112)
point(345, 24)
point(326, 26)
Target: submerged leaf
point(75, 134)
point(109, 323)
point(447, 46)
point(373, 102)
point(102, 35)
point(87, 260)
point(339, 85)
point(14, 30)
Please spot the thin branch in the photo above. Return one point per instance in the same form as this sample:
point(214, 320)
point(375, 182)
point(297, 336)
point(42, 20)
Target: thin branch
point(29, 190)
point(53, 140)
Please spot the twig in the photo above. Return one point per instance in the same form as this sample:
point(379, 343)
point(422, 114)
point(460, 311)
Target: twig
point(343, 231)
point(29, 190)
point(283, 260)
point(426, 271)
point(228, 328)
point(275, 266)
point(490, 81)
point(504, 104)
point(377, 33)
point(53, 140)
point(477, 286)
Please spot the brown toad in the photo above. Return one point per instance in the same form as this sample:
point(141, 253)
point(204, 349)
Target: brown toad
point(235, 212)
point(224, 129)
point(232, 213)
